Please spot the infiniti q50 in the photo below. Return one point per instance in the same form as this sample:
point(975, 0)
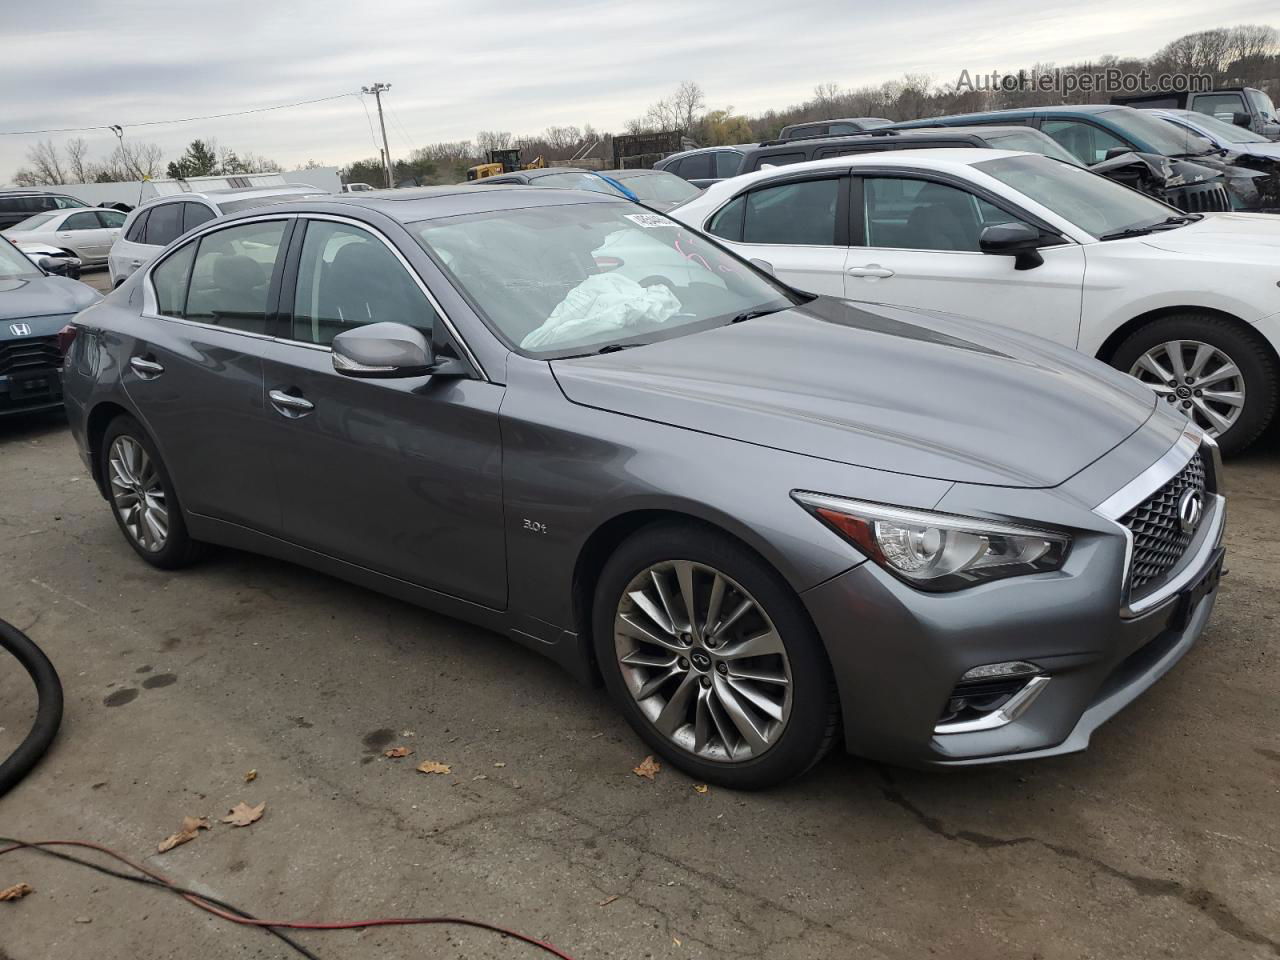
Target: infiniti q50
point(768, 521)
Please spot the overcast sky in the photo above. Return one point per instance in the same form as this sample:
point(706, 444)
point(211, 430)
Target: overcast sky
point(456, 68)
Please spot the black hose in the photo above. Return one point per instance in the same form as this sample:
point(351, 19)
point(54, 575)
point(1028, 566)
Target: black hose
point(48, 712)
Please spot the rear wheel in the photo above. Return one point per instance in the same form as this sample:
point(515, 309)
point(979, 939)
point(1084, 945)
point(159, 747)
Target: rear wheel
point(712, 659)
point(1209, 370)
point(142, 497)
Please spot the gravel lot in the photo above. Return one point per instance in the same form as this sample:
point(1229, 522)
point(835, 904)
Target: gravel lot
point(1161, 841)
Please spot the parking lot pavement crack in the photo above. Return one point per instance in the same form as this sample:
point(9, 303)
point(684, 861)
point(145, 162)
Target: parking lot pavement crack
point(1207, 902)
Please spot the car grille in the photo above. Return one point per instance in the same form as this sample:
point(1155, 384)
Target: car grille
point(1201, 198)
point(1158, 538)
point(38, 353)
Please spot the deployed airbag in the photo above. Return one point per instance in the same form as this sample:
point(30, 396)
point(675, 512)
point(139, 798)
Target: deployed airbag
point(604, 303)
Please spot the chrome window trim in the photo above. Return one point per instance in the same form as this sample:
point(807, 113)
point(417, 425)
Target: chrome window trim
point(151, 310)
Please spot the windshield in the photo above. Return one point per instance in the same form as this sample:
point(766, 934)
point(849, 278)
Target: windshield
point(1156, 133)
point(1227, 132)
point(14, 263)
point(1031, 142)
point(1093, 203)
point(578, 181)
point(658, 187)
point(570, 279)
point(1262, 103)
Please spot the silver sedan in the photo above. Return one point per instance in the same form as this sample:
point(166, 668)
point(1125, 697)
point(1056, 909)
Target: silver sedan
point(86, 233)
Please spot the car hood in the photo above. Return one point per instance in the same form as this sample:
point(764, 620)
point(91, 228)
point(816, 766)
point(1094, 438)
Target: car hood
point(1254, 231)
point(43, 296)
point(1243, 151)
point(876, 386)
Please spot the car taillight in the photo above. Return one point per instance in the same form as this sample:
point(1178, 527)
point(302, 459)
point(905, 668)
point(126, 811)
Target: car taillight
point(66, 337)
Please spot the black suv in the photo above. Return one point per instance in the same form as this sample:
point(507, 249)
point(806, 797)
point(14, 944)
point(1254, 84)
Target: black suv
point(17, 205)
point(831, 128)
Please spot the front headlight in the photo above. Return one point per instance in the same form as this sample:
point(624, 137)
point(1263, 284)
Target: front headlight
point(938, 551)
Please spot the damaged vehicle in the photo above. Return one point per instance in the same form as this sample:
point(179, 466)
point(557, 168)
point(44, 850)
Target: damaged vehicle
point(767, 521)
point(36, 305)
point(1239, 148)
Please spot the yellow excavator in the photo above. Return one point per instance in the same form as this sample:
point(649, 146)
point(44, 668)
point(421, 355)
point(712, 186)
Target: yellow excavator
point(502, 161)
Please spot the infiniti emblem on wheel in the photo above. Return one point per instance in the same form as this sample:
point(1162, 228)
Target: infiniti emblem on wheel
point(700, 660)
point(1190, 509)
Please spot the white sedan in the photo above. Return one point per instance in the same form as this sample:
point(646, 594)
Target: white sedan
point(1189, 303)
point(84, 233)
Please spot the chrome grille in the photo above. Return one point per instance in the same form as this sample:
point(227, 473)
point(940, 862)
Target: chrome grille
point(1158, 538)
point(38, 353)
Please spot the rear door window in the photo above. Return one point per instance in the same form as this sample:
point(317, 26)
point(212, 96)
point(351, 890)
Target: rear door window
point(194, 214)
point(231, 278)
point(169, 279)
point(112, 219)
point(793, 213)
point(165, 224)
point(697, 167)
point(137, 232)
point(81, 221)
point(727, 163)
point(777, 160)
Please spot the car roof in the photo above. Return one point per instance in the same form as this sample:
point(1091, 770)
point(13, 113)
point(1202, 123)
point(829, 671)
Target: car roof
point(235, 193)
point(414, 204)
point(623, 173)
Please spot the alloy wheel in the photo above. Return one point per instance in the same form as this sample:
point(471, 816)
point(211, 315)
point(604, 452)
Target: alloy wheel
point(138, 494)
point(1198, 379)
point(703, 661)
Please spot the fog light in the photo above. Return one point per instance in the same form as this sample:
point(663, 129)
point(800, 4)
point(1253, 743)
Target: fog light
point(1000, 671)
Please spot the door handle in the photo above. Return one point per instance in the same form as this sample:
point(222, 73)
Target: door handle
point(871, 271)
point(135, 263)
point(289, 404)
point(146, 369)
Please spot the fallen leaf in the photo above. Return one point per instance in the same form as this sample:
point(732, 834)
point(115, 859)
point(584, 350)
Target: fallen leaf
point(241, 815)
point(251, 776)
point(84, 919)
point(607, 900)
point(499, 764)
point(16, 892)
point(431, 766)
point(480, 777)
point(190, 827)
point(700, 788)
point(648, 768)
point(676, 941)
point(395, 753)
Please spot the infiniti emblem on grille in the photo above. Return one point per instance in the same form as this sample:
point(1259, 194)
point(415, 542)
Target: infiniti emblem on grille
point(20, 329)
point(1190, 509)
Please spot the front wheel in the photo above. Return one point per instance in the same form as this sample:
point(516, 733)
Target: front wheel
point(712, 659)
point(1208, 369)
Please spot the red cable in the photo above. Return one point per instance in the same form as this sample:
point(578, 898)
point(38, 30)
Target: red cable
point(293, 924)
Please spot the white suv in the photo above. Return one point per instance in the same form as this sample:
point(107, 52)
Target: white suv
point(1189, 303)
point(157, 223)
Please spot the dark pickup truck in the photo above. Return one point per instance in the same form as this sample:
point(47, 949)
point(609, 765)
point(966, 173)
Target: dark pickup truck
point(1246, 107)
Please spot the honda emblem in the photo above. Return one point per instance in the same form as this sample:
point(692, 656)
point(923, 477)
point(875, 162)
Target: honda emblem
point(20, 329)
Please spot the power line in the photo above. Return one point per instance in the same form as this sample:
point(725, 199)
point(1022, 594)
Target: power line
point(404, 134)
point(373, 137)
point(157, 123)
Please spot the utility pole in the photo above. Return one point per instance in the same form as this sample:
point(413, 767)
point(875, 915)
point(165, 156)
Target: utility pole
point(378, 89)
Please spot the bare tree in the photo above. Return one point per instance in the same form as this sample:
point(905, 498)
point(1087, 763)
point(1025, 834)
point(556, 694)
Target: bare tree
point(79, 167)
point(136, 160)
point(487, 140)
point(825, 96)
point(1252, 40)
point(46, 164)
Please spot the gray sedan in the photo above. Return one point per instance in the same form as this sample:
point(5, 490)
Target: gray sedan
point(765, 521)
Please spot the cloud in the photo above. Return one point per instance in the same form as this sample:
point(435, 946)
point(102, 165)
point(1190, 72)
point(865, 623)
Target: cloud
point(457, 68)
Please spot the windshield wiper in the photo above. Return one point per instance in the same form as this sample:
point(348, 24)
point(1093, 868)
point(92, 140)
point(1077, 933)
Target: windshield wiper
point(615, 347)
point(1167, 224)
point(752, 314)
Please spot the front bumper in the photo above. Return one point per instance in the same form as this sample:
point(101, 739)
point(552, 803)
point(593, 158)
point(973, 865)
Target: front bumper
point(32, 392)
point(898, 653)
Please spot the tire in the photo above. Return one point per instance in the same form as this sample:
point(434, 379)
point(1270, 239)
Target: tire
point(1257, 373)
point(176, 549)
point(806, 714)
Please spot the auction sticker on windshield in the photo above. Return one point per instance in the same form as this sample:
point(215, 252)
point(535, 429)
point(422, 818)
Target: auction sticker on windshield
point(649, 220)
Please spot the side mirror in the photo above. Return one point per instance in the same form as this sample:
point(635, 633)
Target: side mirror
point(61, 266)
point(1241, 119)
point(1016, 239)
point(1116, 152)
point(383, 350)
point(763, 265)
